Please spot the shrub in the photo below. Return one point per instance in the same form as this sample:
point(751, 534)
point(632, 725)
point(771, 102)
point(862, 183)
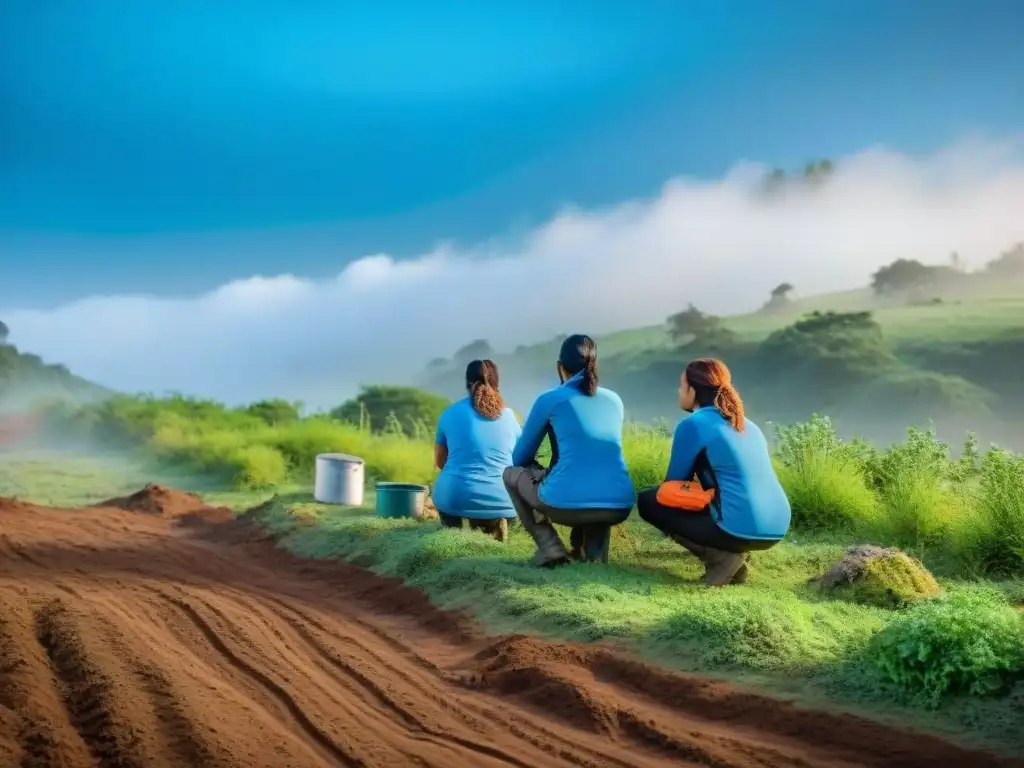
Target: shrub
point(992, 538)
point(823, 477)
point(920, 490)
point(258, 466)
point(969, 642)
point(415, 411)
point(275, 411)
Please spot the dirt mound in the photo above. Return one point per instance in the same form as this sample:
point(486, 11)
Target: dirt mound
point(10, 505)
point(186, 508)
point(872, 575)
point(124, 641)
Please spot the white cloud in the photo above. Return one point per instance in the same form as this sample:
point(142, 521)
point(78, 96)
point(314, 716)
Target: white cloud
point(716, 244)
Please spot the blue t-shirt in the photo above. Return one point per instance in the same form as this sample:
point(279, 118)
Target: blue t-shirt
point(750, 502)
point(479, 450)
point(588, 470)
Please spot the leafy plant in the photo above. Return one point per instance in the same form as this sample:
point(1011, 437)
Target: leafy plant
point(969, 642)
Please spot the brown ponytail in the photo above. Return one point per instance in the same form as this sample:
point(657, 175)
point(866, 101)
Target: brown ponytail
point(482, 383)
point(712, 382)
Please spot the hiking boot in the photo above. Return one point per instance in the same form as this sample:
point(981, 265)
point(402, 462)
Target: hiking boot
point(550, 549)
point(743, 573)
point(721, 567)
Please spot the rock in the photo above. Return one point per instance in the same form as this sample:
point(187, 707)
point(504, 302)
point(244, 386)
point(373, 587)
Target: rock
point(878, 576)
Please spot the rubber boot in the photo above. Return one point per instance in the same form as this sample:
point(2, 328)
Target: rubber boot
point(720, 567)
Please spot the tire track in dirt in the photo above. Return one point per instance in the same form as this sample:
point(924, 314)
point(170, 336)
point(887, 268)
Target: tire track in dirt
point(387, 699)
point(342, 756)
point(129, 639)
point(86, 692)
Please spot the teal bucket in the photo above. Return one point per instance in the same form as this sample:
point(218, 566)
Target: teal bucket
point(400, 499)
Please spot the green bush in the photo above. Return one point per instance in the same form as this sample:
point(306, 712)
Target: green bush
point(991, 537)
point(969, 642)
point(275, 411)
point(408, 410)
point(824, 478)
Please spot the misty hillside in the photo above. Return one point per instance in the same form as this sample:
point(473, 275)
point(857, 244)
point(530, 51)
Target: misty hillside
point(923, 345)
point(26, 380)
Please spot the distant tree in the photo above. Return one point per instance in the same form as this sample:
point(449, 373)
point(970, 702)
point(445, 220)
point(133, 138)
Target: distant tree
point(415, 410)
point(830, 346)
point(956, 262)
point(691, 326)
point(1009, 263)
point(779, 297)
point(818, 170)
point(480, 349)
point(902, 275)
point(5, 332)
point(275, 411)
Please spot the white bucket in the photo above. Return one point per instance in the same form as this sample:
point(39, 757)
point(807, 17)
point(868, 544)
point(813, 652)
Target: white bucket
point(339, 479)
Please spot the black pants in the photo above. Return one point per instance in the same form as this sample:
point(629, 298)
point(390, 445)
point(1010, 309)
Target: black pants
point(698, 527)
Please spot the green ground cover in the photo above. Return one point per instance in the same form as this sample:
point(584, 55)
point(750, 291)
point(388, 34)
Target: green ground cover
point(955, 662)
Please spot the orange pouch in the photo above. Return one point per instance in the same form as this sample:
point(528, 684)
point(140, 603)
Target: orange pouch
point(686, 495)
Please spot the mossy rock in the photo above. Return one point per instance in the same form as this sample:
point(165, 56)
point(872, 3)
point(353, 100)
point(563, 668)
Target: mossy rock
point(887, 578)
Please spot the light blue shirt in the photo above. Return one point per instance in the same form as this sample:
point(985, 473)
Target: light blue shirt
point(588, 470)
point(750, 502)
point(479, 450)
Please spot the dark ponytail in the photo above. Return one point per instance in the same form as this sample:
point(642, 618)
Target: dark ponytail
point(579, 354)
point(482, 383)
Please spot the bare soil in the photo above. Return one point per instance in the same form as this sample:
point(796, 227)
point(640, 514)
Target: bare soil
point(156, 631)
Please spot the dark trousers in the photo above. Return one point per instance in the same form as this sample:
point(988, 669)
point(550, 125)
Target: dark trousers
point(590, 534)
point(697, 527)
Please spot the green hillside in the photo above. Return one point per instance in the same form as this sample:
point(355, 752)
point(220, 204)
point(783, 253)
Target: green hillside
point(922, 345)
point(26, 380)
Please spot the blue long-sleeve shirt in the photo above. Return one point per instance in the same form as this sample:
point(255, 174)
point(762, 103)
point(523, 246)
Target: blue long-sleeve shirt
point(588, 470)
point(479, 449)
point(750, 502)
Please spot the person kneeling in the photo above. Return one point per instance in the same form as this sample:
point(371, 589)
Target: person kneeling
point(474, 442)
point(586, 486)
point(747, 508)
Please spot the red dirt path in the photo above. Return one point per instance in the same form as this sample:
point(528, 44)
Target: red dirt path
point(129, 639)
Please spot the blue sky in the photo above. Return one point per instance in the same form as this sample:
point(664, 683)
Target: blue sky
point(167, 147)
